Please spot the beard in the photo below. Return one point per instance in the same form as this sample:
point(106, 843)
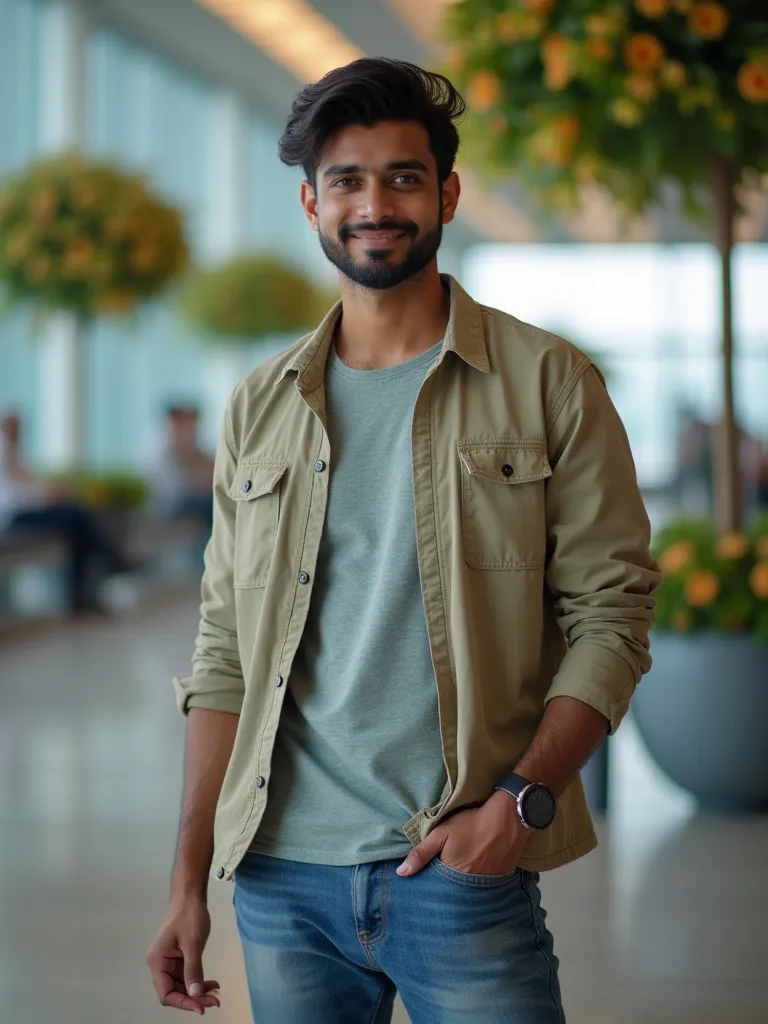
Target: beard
point(377, 272)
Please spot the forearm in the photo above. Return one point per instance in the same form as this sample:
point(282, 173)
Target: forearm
point(210, 740)
point(568, 734)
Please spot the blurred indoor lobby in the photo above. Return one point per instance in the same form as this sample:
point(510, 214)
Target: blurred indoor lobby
point(118, 407)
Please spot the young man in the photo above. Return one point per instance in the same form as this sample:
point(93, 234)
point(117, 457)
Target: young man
point(426, 601)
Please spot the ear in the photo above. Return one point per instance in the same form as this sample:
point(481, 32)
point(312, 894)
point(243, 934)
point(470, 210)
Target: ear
point(309, 202)
point(450, 196)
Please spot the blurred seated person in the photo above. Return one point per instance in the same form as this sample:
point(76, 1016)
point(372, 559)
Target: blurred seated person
point(31, 504)
point(182, 473)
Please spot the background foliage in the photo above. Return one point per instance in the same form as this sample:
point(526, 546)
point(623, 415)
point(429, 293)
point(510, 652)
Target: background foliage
point(622, 94)
point(85, 237)
point(713, 583)
point(252, 296)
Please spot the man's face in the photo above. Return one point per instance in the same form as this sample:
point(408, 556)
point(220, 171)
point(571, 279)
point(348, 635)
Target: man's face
point(10, 428)
point(377, 203)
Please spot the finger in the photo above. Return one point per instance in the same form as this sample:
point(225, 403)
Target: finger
point(422, 854)
point(193, 971)
point(181, 1001)
point(209, 1000)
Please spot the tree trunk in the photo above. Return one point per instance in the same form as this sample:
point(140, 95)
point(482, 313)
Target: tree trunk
point(80, 396)
point(727, 484)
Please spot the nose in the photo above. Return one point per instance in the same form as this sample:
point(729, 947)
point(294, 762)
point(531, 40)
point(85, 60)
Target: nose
point(375, 202)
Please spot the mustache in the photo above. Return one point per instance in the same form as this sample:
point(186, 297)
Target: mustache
point(406, 226)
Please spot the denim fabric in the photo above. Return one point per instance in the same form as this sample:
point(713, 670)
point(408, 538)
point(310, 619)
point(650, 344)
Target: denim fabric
point(334, 945)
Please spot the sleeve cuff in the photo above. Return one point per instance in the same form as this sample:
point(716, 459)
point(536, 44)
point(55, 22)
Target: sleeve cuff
point(210, 692)
point(598, 677)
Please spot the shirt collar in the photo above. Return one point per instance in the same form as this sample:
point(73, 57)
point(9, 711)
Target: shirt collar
point(464, 336)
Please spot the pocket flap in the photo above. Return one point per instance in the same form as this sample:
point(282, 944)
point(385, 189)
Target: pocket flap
point(506, 462)
point(254, 479)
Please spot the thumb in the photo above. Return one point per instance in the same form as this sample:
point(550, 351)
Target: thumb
point(422, 854)
point(193, 971)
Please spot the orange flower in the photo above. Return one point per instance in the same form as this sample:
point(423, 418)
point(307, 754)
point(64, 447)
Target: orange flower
point(682, 621)
point(753, 82)
point(554, 143)
point(600, 49)
point(653, 8)
point(484, 90)
point(758, 580)
point(539, 6)
point(676, 556)
point(78, 258)
point(708, 19)
point(599, 26)
point(733, 546)
point(761, 547)
point(682, 6)
point(674, 75)
point(557, 55)
point(626, 112)
point(506, 28)
point(702, 588)
point(642, 87)
point(644, 52)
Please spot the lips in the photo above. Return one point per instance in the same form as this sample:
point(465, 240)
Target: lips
point(380, 239)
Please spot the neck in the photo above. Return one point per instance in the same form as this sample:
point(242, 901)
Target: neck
point(383, 328)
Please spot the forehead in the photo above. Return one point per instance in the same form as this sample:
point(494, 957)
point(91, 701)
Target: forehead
point(374, 146)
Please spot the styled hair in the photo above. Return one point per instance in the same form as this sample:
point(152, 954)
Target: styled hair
point(364, 92)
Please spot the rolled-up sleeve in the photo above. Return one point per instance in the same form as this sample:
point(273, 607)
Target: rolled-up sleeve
point(600, 571)
point(216, 682)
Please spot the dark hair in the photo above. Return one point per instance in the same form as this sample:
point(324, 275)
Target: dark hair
point(366, 91)
point(177, 409)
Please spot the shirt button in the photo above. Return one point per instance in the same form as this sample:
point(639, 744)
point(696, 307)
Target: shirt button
point(320, 466)
point(303, 577)
point(260, 782)
point(246, 485)
point(507, 470)
point(278, 680)
point(220, 873)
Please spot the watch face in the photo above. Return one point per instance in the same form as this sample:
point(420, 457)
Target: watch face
point(539, 807)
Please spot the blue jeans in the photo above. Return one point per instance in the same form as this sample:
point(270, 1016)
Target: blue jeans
point(334, 945)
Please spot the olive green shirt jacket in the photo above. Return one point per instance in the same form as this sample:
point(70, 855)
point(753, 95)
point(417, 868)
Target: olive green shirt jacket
point(533, 550)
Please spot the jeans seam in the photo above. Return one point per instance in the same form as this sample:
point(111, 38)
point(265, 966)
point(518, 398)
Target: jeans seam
point(541, 949)
point(384, 886)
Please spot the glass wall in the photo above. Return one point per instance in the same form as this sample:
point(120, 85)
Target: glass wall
point(20, 28)
point(649, 314)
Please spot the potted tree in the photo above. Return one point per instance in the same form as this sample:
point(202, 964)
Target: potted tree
point(626, 96)
point(86, 239)
point(254, 295)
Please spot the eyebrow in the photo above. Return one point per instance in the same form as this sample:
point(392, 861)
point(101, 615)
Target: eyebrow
point(394, 165)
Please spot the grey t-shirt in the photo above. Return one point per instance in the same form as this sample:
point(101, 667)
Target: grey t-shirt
point(358, 748)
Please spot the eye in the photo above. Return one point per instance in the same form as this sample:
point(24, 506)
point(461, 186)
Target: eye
point(406, 179)
point(343, 182)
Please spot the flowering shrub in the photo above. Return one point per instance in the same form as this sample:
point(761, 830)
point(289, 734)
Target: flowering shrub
point(87, 238)
point(251, 296)
point(622, 94)
point(713, 582)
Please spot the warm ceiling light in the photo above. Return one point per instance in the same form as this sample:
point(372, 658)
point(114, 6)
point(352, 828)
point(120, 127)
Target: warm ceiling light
point(292, 32)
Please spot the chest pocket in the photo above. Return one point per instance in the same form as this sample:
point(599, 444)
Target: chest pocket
point(503, 524)
point(257, 493)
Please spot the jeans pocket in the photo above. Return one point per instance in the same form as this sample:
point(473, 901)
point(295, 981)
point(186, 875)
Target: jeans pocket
point(466, 878)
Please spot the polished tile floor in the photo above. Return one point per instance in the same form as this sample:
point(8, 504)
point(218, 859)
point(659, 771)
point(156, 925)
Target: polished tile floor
point(665, 923)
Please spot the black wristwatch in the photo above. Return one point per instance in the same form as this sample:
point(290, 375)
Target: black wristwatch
point(536, 804)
